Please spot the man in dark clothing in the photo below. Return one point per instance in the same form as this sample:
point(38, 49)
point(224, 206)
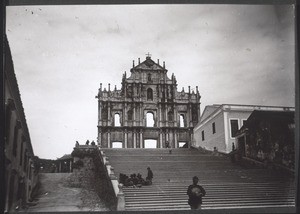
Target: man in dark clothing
point(149, 176)
point(195, 193)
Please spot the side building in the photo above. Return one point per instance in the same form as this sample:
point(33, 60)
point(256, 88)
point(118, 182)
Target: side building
point(269, 137)
point(148, 111)
point(219, 124)
point(20, 175)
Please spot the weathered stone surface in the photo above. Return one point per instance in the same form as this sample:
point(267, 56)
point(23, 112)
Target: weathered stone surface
point(148, 89)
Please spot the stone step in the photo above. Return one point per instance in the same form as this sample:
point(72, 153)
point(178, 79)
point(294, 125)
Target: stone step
point(211, 189)
point(238, 198)
point(221, 207)
point(212, 201)
point(227, 185)
point(152, 206)
point(210, 192)
point(224, 185)
point(148, 197)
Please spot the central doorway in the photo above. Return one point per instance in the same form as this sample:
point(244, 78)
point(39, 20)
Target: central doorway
point(117, 145)
point(182, 144)
point(150, 144)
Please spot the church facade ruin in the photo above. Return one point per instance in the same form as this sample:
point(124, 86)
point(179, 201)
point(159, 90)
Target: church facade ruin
point(148, 111)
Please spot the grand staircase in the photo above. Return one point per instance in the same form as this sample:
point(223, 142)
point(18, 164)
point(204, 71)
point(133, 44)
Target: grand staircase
point(227, 185)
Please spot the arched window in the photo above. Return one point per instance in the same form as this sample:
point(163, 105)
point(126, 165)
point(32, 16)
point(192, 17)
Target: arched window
point(104, 112)
point(149, 94)
point(181, 120)
point(150, 119)
point(170, 116)
point(117, 120)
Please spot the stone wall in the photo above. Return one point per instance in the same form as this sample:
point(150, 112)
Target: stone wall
point(89, 173)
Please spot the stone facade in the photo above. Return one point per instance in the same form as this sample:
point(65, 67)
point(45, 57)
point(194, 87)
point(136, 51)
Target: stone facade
point(20, 174)
point(148, 93)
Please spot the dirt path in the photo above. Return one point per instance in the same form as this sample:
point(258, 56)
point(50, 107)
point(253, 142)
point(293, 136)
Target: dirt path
point(55, 195)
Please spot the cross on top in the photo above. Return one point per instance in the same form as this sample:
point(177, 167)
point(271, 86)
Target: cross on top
point(148, 54)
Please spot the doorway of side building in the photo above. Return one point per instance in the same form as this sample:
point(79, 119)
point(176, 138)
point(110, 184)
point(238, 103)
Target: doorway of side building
point(117, 145)
point(150, 144)
point(182, 144)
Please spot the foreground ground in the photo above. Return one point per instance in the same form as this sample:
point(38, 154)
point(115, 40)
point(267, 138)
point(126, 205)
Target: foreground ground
point(58, 194)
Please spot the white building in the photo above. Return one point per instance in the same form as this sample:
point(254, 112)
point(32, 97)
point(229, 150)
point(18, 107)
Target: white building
point(219, 123)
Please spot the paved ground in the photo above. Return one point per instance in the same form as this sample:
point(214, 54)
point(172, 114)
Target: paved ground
point(56, 194)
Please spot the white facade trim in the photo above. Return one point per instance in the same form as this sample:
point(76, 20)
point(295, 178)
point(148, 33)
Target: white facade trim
point(239, 126)
point(257, 107)
point(226, 129)
point(231, 107)
point(243, 119)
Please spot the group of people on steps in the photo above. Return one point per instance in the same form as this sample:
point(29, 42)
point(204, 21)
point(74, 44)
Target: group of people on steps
point(194, 191)
point(136, 180)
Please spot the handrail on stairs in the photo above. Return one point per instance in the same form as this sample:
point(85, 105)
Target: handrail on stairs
point(117, 187)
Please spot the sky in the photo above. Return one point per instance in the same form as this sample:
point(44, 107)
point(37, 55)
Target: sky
point(235, 54)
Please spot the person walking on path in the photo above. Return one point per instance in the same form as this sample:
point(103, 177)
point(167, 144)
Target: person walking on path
point(149, 176)
point(195, 193)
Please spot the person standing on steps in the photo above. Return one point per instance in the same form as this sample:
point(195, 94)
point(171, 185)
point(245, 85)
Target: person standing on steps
point(195, 193)
point(149, 176)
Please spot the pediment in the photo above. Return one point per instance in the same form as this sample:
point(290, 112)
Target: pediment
point(149, 64)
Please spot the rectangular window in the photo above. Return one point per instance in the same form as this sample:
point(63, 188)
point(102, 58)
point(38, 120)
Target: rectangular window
point(213, 128)
point(234, 125)
point(202, 135)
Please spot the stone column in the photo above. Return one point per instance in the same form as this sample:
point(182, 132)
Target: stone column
point(190, 124)
point(166, 116)
point(141, 139)
point(167, 135)
point(100, 138)
point(108, 114)
point(175, 114)
point(134, 116)
point(108, 139)
point(158, 116)
point(134, 139)
point(192, 138)
point(175, 139)
point(160, 139)
point(125, 138)
point(124, 114)
point(99, 113)
point(141, 116)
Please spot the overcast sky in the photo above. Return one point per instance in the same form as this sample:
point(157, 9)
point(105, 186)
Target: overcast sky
point(238, 54)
